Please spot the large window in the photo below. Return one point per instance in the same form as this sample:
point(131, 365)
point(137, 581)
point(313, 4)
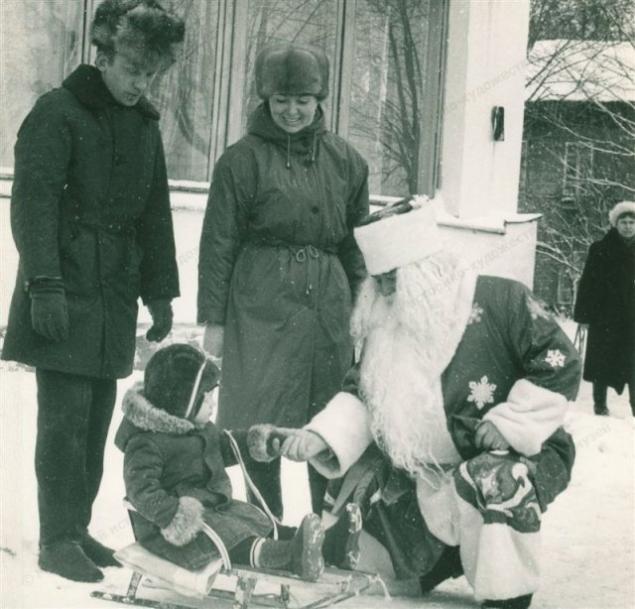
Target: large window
point(186, 95)
point(392, 39)
point(311, 22)
point(40, 44)
point(385, 91)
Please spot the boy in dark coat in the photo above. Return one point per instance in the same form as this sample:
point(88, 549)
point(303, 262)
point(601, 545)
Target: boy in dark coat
point(91, 220)
point(606, 304)
point(174, 470)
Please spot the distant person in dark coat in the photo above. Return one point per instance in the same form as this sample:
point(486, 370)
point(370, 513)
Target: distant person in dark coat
point(90, 215)
point(606, 304)
point(278, 263)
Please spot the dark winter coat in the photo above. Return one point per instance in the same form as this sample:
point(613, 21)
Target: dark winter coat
point(167, 458)
point(90, 204)
point(278, 266)
point(606, 301)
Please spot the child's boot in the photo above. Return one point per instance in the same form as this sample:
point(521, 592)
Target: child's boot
point(302, 555)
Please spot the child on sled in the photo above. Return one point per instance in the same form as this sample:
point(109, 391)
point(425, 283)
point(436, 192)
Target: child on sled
point(174, 472)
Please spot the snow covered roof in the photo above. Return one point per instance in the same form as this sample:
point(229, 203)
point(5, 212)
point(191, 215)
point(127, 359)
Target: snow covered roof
point(581, 70)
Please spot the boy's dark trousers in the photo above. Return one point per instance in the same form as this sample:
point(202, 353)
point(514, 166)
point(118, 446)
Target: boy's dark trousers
point(74, 414)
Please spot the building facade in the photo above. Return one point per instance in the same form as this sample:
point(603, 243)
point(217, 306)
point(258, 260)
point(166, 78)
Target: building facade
point(414, 86)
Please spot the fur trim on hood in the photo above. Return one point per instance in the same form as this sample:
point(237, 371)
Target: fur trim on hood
point(186, 523)
point(144, 415)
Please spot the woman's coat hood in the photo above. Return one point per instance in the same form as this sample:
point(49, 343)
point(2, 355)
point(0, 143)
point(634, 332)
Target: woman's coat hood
point(305, 143)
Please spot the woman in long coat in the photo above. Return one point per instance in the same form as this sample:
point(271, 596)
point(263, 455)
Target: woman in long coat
point(606, 302)
point(278, 263)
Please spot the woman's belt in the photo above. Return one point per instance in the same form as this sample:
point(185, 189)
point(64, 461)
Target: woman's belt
point(300, 252)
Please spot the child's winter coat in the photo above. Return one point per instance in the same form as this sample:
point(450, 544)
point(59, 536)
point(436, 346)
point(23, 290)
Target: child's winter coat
point(175, 478)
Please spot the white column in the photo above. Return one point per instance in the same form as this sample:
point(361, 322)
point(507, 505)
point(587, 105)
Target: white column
point(485, 68)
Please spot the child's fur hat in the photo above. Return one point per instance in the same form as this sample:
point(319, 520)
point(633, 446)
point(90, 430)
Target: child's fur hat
point(625, 207)
point(143, 26)
point(170, 376)
point(291, 69)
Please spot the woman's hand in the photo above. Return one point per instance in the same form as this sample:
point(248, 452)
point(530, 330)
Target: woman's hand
point(302, 445)
point(488, 437)
point(213, 340)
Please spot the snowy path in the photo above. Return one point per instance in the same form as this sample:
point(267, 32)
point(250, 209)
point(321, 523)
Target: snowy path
point(589, 533)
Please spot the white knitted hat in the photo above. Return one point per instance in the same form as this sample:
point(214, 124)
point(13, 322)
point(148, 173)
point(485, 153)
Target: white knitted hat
point(625, 207)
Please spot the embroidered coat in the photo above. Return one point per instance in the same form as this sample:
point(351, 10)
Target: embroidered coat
point(90, 204)
point(514, 367)
point(175, 478)
point(278, 264)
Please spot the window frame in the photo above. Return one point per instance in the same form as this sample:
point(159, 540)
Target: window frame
point(575, 173)
point(230, 56)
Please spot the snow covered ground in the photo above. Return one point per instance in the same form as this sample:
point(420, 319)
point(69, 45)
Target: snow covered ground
point(589, 532)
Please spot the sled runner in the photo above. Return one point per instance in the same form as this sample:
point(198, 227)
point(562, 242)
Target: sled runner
point(198, 586)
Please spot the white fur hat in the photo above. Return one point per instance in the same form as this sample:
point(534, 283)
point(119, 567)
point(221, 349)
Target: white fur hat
point(398, 235)
point(625, 207)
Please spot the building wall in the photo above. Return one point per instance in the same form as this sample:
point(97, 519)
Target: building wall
point(549, 185)
point(479, 177)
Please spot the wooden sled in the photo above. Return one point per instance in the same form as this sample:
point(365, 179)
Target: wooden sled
point(333, 587)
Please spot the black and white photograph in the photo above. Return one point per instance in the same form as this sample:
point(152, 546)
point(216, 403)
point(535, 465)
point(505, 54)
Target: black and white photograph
point(317, 303)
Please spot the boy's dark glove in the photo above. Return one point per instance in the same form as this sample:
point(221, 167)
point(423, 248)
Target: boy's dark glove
point(161, 311)
point(49, 309)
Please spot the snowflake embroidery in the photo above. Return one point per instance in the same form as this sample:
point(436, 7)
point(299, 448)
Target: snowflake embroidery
point(555, 358)
point(481, 392)
point(476, 314)
point(537, 309)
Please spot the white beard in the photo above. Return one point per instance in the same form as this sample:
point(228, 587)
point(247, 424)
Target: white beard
point(408, 341)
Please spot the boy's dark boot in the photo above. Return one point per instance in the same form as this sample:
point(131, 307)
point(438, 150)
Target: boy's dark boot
point(302, 555)
point(66, 558)
point(101, 555)
point(519, 602)
point(306, 549)
point(448, 566)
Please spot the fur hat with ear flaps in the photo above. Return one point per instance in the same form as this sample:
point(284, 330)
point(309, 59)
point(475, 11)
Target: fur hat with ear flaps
point(292, 70)
point(170, 376)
